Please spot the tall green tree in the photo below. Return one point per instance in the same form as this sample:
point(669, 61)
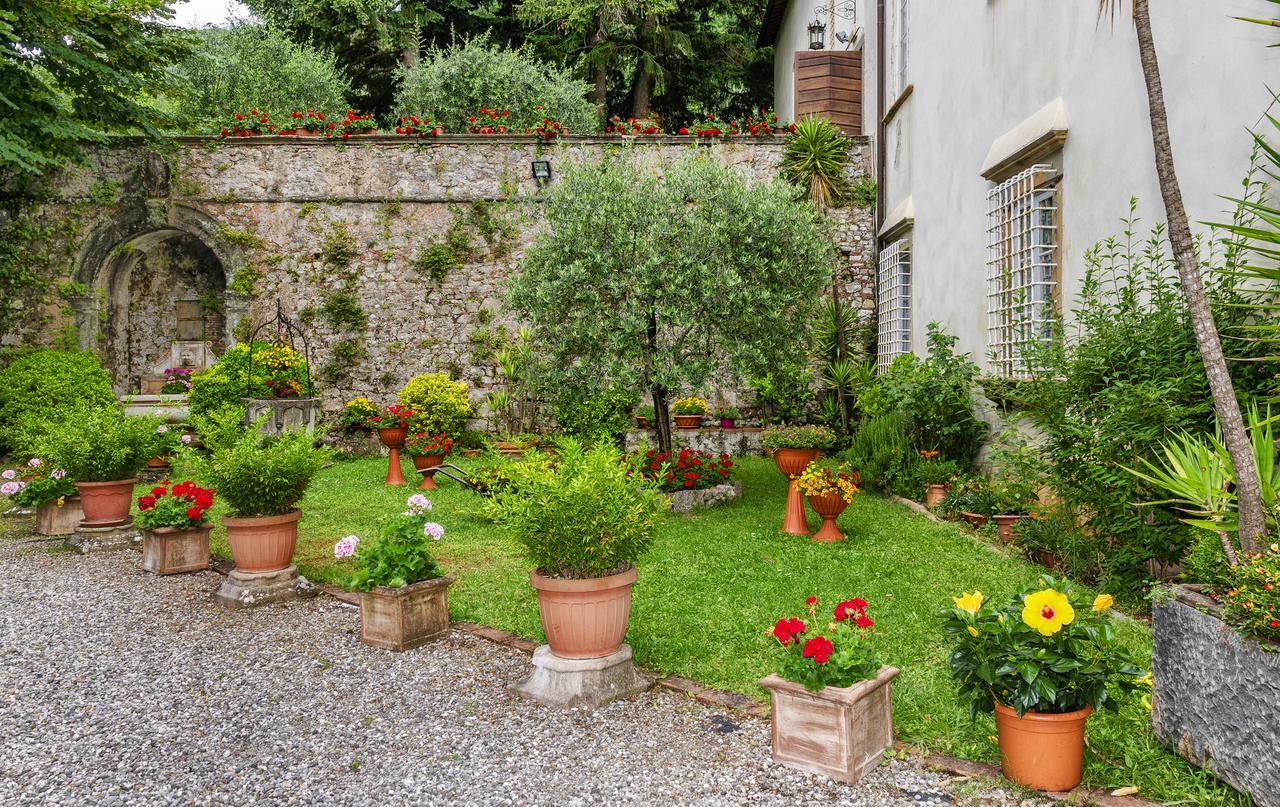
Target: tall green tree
point(661, 282)
point(76, 70)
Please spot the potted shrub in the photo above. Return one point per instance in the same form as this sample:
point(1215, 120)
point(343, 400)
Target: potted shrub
point(829, 492)
point(404, 598)
point(644, 417)
point(262, 480)
point(167, 439)
point(49, 491)
point(689, 411)
point(103, 450)
point(175, 537)
point(727, 415)
point(1012, 503)
point(392, 425)
point(831, 709)
point(793, 448)
point(934, 475)
point(584, 521)
point(972, 500)
point(1042, 662)
point(427, 452)
point(356, 415)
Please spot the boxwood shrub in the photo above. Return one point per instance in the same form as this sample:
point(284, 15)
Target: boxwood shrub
point(39, 387)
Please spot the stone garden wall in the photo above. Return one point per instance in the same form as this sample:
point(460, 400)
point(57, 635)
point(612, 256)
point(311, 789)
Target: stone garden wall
point(393, 254)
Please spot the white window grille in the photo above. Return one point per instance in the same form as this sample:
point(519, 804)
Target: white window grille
point(1022, 252)
point(902, 29)
point(893, 303)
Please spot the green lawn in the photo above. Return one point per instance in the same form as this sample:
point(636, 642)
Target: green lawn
point(714, 583)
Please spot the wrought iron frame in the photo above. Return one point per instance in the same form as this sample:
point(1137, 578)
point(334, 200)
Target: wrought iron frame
point(286, 332)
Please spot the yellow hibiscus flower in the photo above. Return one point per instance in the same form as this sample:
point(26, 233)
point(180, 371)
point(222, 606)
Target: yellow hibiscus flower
point(1047, 611)
point(970, 603)
point(1102, 602)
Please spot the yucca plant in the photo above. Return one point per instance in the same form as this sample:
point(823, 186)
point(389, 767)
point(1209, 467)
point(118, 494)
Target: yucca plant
point(814, 158)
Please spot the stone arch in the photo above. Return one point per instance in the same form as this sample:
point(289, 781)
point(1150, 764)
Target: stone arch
point(142, 272)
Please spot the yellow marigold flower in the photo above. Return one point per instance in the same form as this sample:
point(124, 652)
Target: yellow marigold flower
point(1102, 602)
point(969, 603)
point(973, 631)
point(1047, 611)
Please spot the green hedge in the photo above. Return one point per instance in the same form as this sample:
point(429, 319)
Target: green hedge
point(40, 387)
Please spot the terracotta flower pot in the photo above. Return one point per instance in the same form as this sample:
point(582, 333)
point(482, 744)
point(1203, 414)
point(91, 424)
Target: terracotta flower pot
point(106, 504)
point(264, 543)
point(393, 439)
point(791, 462)
point(171, 551)
point(584, 618)
point(55, 519)
point(403, 618)
point(829, 506)
point(1005, 525)
point(688, 421)
point(973, 519)
point(422, 464)
point(158, 462)
point(1042, 751)
point(933, 495)
point(642, 423)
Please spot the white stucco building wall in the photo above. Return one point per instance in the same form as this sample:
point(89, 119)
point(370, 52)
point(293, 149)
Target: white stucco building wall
point(793, 35)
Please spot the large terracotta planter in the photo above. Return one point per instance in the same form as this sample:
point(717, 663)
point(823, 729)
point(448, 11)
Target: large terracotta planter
point(1042, 751)
point(688, 421)
point(1005, 526)
point(106, 504)
point(792, 462)
point(933, 495)
point(841, 732)
point(55, 519)
point(393, 439)
point(172, 551)
point(262, 544)
point(829, 506)
point(403, 618)
point(422, 464)
point(584, 618)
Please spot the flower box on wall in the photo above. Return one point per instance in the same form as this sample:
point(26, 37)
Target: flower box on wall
point(837, 732)
point(1216, 695)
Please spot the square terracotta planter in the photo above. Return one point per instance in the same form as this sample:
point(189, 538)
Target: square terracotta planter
point(54, 520)
point(170, 551)
point(837, 732)
point(403, 618)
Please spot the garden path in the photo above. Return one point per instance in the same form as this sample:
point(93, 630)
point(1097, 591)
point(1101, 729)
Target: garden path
point(117, 687)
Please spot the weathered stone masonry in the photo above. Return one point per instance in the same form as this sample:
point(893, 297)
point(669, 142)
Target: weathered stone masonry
point(213, 235)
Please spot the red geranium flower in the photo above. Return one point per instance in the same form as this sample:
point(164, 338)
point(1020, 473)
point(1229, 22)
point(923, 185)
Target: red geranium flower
point(819, 649)
point(193, 513)
point(862, 621)
point(786, 630)
point(811, 601)
point(158, 490)
point(146, 502)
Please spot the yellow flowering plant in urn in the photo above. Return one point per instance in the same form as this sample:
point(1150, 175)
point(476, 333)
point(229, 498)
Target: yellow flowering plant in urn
point(1042, 661)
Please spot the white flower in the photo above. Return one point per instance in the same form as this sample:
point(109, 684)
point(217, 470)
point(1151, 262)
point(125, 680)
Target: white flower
point(58, 473)
point(162, 429)
point(346, 547)
point(433, 530)
point(34, 462)
point(186, 439)
point(10, 488)
point(9, 473)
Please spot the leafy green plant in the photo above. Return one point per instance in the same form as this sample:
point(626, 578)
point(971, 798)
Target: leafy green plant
point(970, 496)
point(341, 309)
point(840, 655)
point(36, 484)
point(819, 437)
point(592, 415)
point(930, 470)
point(1046, 650)
point(689, 405)
point(39, 387)
point(225, 383)
point(814, 158)
point(783, 393)
point(586, 516)
point(259, 476)
point(881, 451)
point(101, 444)
point(399, 556)
point(440, 405)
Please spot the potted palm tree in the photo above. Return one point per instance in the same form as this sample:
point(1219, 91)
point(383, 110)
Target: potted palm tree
point(103, 450)
point(404, 597)
point(584, 521)
point(1043, 662)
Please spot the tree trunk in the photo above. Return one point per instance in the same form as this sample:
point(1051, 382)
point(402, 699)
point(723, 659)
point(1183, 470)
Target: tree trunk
point(409, 56)
point(642, 96)
point(662, 418)
point(1248, 491)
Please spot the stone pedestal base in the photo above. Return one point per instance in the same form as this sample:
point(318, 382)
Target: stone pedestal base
point(586, 683)
point(246, 590)
point(101, 539)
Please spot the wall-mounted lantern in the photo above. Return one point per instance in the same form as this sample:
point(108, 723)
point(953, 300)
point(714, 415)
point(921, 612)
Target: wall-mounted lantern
point(542, 171)
point(817, 35)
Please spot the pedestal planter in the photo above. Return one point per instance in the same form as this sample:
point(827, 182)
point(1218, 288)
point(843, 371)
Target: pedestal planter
point(55, 519)
point(1215, 695)
point(170, 551)
point(262, 545)
point(106, 504)
point(933, 495)
point(404, 618)
point(1042, 751)
point(425, 462)
point(393, 439)
point(584, 618)
point(829, 507)
point(837, 732)
point(688, 421)
point(1005, 526)
point(792, 462)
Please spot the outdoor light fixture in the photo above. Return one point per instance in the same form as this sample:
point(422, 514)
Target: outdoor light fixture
point(542, 170)
point(817, 35)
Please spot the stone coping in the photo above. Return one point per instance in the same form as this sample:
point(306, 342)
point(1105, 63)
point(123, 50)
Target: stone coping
point(468, 139)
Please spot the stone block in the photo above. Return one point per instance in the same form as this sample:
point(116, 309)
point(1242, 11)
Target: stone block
point(686, 501)
point(102, 539)
point(581, 683)
point(59, 519)
point(250, 590)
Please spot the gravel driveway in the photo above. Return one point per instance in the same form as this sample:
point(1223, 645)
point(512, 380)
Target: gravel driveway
point(118, 687)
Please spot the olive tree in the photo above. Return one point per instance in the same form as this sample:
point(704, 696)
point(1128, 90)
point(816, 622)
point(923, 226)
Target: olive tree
point(661, 280)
